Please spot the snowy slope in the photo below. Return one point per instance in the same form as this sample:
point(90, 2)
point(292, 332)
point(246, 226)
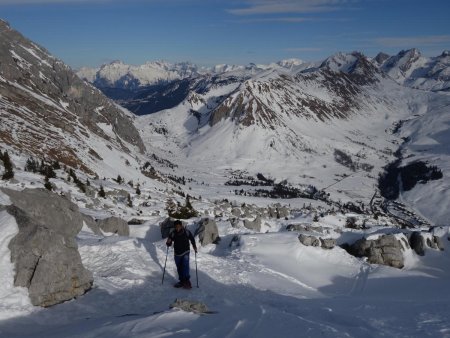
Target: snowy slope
point(428, 141)
point(269, 286)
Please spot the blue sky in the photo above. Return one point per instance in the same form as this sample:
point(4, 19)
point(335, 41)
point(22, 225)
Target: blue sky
point(208, 32)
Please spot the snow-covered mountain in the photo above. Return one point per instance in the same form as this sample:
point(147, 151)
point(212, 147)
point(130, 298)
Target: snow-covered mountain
point(120, 75)
point(48, 112)
point(412, 69)
point(284, 161)
point(296, 126)
point(123, 76)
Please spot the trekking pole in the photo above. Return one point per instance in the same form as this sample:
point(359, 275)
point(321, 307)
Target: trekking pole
point(167, 253)
point(196, 272)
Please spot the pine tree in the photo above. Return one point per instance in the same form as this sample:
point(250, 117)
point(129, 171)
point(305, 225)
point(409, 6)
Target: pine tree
point(31, 165)
point(119, 179)
point(56, 165)
point(47, 184)
point(138, 190)
point(101, 192)
point(188, 202)
point(9, 173)
point(130, 203)
point(87, 182)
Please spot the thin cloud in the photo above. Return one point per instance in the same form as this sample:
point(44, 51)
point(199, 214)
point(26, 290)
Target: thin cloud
point(287, 20)
point(430, 40)
point(255, 7)
point(303, 49)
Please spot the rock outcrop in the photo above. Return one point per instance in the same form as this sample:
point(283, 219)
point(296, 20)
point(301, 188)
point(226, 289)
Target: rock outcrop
point(324, 243)
point(309, 240)
point(386, 250)
point(253, 225)
point(207, 232)
point(419, 241)
point(114, 225)
point(44, 252)
point(91, 224)
point(327, 243)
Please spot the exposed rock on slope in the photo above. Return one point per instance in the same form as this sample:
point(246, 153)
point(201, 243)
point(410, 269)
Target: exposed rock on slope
point(51, 111)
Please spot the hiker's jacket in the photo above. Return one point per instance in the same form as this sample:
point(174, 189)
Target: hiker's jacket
point(181, 241)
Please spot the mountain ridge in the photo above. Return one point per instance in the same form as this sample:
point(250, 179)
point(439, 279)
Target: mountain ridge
point(51, 111)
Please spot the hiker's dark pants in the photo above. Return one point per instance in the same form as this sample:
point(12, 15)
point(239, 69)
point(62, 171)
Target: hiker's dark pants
point(182, 263)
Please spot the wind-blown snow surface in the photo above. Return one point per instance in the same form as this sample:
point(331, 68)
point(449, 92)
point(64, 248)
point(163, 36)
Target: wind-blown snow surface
point(268, 285)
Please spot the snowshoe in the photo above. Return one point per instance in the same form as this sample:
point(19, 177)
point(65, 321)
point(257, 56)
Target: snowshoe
point(187, 285)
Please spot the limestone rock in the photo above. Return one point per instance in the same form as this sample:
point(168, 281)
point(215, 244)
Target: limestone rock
point(207, 232)
point(386, 250)
point(92, 224)
point(236, 212)
point(190, 306)
point(309, 240)
point(114, 225)
point(253, 225)
point(44, 252)
point(417, 243)
point(328, 243)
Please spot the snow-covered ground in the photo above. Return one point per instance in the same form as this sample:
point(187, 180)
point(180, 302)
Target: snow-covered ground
point(265, 284)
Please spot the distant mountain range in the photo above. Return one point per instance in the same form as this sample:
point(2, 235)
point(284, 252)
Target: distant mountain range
point(333, 124)
point(408, 67)
point(155, 86)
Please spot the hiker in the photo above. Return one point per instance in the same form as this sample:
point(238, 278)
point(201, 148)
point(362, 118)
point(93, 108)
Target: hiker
point(180, 238)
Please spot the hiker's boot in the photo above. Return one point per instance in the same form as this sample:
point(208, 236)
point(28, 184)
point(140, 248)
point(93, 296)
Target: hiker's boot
point(178, 285)
point(187, 284)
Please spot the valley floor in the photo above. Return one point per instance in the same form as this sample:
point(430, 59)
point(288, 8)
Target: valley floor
point(264, 285)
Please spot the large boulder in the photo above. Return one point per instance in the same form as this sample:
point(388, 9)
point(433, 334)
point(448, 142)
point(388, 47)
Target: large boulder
point(420, 240)
point(417, 243)
point(253, 225)
point(283, 212)
point(207, 232)
point(327, 243)
point(386, 250)
point(91, 224)
point(236, 212)
point(277, 211)
point(309, 240)
point(114, 225)
point(44, 252)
